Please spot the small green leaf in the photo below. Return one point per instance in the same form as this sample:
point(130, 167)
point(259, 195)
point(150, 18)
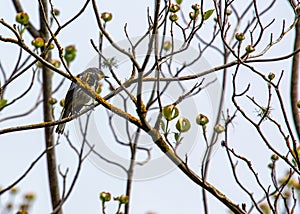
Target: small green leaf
point(208, 13)
point(3, 103)
point(176, 136)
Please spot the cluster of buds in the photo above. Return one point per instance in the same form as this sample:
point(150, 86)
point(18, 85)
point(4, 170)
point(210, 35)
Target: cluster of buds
point(202, 120)
point(274, 158)
point(55, 63)
point(22, 18)
point(50, 46)
point(219, 128)
point(173, 17)
point(62, 102)
point(70, 53)
point(174, 8)
point(52, 101)
point(99, 88)
point(123, 199)
point(105, 196)
point(167, 45)
point(170, 112)
point(56, 12)
point(14, 190)
point(240, 37)
point(21, 211)
point(271, 76)
point(194, 15)
point(183, 124)
point(106, 16)
point(29, 196)
point(249, 49)
point(38, 42)
point(228, 12)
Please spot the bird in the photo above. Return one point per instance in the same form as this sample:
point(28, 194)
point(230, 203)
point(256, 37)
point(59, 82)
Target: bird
point(76, 98)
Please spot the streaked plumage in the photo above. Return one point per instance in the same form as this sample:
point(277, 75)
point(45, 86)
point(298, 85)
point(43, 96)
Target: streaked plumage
point(76, 98)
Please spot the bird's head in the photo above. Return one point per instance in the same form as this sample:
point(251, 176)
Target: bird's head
point(92, 75)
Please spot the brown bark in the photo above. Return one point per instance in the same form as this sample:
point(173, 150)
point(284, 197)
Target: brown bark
point(48, 112)
point(295, 77)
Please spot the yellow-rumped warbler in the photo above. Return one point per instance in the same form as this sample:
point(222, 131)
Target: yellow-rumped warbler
point(76, 98)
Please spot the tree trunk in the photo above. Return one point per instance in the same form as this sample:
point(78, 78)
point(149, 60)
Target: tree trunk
point(48, 115)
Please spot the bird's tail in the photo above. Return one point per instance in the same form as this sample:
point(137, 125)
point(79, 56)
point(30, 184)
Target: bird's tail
point(61, 127)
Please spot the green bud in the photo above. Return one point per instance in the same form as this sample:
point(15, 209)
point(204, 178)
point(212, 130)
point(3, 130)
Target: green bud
point(52, 101)
point(271, 76)
point(29, 196)
point(21, 211)
point(167, 45)
point(179, 1)
point(70, 49)
point(106, 16)
point(99, 88)
point(297, 185)
point(183, 124)
point(174, 8)
point(56, 12)
point(51, 46)
point(70, 53)
point(22, 18)
point(39, 64)
point(62, 103)
point(239, 36)
point(170, 112)
point(297, 151)
point(193, 16)
point(202, 120)
point(228, 12)
point(219, 128)
point(123, 199)
point(14, 190)
point(105, 196)
point(287, 194)
point(271, 165)
point(274, 157)
point(249, 49)
point(55, 63)
point(196, 7)
point(284, 179)
point(265, 208)
point(24, 206)
point(173, 17)
point(9, 206)
point(298, 104)
point(38, 42)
